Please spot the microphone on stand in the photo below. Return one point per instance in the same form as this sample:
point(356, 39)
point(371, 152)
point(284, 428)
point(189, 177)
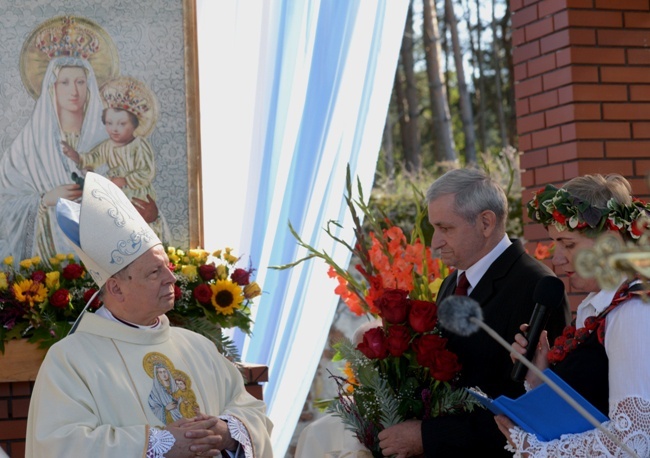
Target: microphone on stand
point(547, 295)
point(462, 315)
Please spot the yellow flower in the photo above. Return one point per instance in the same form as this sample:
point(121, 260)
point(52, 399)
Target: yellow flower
point(180, 253)
point(26, 263)
point(222, 272)
point(36, 260)
point(171, 250)
point(54, 261)
point(61, 256)
point(70, 257)
point(190, 271)
point(186, 259)
point(9, 260)
point(252, 290)
point(30, 292)
point(3, 281)
point(226, 296)
point(52, 279)
point(173, 258)
point(216, 254)
point(230, 258)
point(200, 254)
point(434, 287)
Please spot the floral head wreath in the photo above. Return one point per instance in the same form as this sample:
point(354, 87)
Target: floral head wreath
point(557, 207)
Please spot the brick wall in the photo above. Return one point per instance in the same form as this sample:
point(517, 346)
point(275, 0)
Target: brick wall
point(582, 90)
point(14, 404)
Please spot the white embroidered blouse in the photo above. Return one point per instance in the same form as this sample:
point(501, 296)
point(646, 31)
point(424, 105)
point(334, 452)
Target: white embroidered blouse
point(627, 344)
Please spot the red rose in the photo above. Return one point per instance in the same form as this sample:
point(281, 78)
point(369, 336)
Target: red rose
point(178, 292)
point(207, 271)
point(88, 294)
point(445, 365)
point(60, 299)
point(559, 217)
point(398, 340)
point(393, 305)
point(241, 277)
point(425, 347)
point(203, 294)
point(423, 316)
point(72, 271)
point(374, 344)
point(38, 276)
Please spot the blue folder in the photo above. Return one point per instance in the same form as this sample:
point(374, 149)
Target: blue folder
point(542, 412)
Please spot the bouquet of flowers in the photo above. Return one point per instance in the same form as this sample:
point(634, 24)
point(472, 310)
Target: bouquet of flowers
point(40, 301)
point(212, 294)
point(402, 369)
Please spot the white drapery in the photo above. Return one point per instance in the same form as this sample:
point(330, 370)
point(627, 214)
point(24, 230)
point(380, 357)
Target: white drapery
point(291, 93)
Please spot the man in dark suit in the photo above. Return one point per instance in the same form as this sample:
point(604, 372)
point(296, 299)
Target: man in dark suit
point(468, 211)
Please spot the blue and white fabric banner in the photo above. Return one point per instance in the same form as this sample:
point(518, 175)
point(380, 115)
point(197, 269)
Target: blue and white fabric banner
point(291, 93)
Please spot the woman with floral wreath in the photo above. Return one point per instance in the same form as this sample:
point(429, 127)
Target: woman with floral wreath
point(603, 355)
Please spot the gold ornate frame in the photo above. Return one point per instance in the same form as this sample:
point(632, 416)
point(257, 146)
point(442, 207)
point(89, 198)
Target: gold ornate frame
point(185, 205)
point(194, 178)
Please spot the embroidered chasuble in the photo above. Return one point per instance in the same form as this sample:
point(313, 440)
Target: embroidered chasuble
point(107, 383)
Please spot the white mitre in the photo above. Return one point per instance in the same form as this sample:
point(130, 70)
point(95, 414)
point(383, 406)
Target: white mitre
point(106, 230)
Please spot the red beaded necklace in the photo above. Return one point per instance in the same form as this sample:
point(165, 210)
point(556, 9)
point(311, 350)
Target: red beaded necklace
point(571, 337)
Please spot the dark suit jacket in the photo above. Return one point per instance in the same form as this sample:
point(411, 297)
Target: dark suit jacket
point(505, 294)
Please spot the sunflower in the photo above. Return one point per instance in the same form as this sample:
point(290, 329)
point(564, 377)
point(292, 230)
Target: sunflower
point(29, 291)
point(226, 296)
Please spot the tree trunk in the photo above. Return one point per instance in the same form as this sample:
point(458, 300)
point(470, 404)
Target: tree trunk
point(388, 147)
point(402, 109)
point(437, 91)
point(510, 96)
point(479, 82)
point(497, 81)
point(466, 111)
point(412, 155)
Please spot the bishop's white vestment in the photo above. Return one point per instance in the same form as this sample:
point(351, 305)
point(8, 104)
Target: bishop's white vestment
point(100, 390)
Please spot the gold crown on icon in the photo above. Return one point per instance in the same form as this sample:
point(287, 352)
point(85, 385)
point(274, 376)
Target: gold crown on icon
point(126, 94)
point(67, 39)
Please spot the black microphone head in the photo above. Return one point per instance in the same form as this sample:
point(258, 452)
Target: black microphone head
point(549, 292)
point(455, 313)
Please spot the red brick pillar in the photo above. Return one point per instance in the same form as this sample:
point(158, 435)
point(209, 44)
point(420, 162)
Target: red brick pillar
point(14, 405)
point(582, 90)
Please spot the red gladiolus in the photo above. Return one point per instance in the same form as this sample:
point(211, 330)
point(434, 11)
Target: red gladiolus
point(60, 299)
point(203, 294)
point(241, 277)
point(374, 344)
point(398, 340)
point(72, 271)
point(207, 271)
point(393, 305)
point(423, 316)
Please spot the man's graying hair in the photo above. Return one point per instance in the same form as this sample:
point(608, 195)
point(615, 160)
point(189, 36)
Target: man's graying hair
point(475, 192)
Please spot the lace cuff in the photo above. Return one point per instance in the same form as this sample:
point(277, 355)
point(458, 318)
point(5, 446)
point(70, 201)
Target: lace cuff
point(160, 442)
point(239, 433)
point(630, 424)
